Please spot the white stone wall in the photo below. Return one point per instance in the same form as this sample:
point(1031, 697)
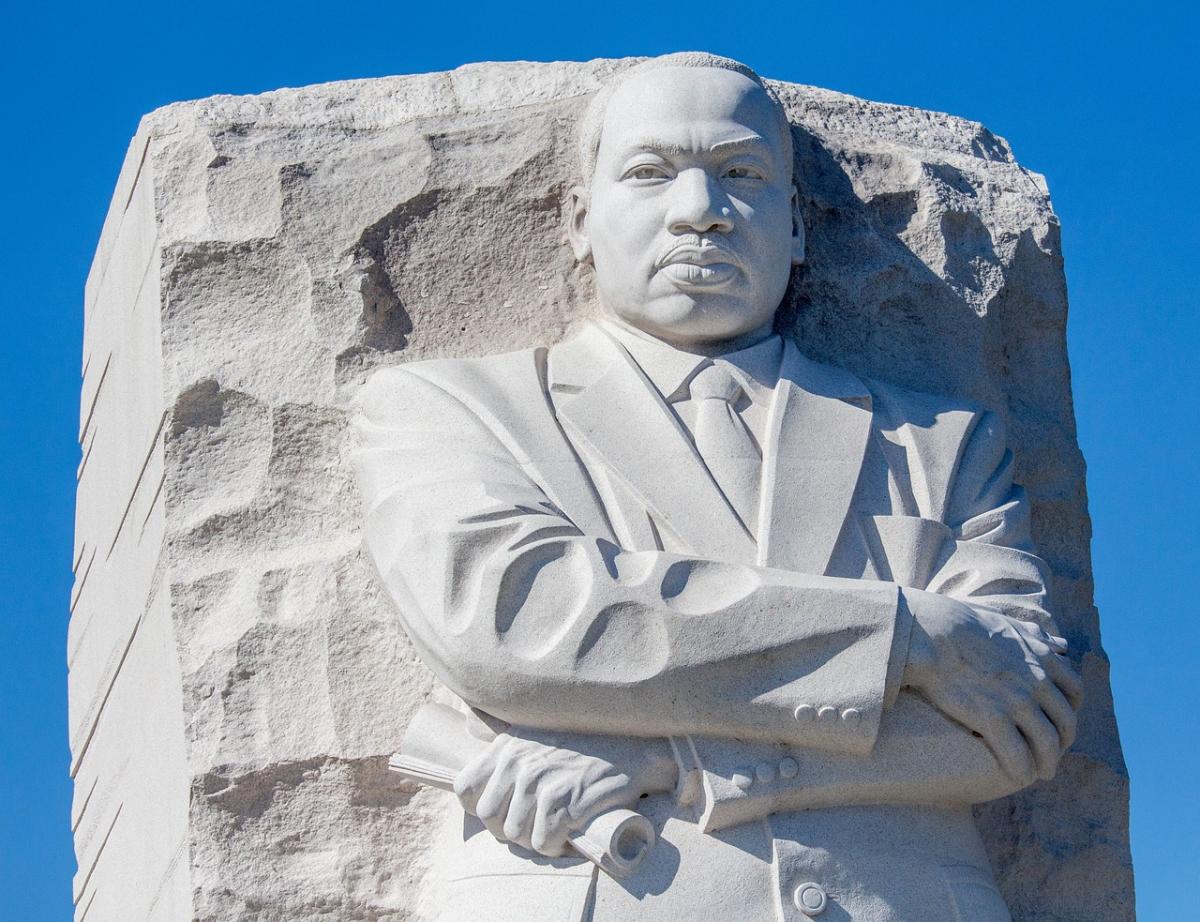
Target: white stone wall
point(237, 680)
point(129, 760)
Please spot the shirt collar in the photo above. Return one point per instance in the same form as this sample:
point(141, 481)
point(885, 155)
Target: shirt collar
point(670, 369)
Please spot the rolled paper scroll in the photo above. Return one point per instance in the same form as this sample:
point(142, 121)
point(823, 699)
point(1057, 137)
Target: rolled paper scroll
point(439, 743)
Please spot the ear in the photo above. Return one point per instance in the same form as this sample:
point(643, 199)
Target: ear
point(577, 208)
point(797, 230)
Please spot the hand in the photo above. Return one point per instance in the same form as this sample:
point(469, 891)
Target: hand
point(534, 791)
point(1005, 679)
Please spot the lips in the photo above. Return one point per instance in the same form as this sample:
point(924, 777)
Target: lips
point(691, 274)
point(697, 265)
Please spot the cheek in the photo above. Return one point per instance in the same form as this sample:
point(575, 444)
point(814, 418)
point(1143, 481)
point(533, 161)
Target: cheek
point(770, 228)
point(771, 217)
point(623, 233)
point(626, 213)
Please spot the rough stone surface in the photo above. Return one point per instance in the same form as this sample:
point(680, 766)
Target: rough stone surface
point(237, 679)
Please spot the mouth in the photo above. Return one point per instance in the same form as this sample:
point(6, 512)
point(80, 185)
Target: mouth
point(691, 275)
point(692, 265)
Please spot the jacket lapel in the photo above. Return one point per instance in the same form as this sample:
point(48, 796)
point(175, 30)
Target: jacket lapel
point(817, 434)
point(608, 407)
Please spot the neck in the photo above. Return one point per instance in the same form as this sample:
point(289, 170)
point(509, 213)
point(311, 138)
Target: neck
point(708, 349)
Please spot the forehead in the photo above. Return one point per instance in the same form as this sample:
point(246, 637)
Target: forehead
point(692, 106)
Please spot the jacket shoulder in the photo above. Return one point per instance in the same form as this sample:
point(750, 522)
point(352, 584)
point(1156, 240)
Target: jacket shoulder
point(467, 380)
point(952, 444)
point(897, 407)
point(464, 373)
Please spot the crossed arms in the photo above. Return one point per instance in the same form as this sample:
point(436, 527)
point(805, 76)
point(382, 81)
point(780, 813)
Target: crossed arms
point(592, 649)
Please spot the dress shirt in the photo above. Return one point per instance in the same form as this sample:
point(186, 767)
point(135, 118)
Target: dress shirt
point(671, 370)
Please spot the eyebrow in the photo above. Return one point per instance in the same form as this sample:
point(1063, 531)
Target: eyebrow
point(754, 143)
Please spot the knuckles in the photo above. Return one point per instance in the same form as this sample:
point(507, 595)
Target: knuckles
point(523, 792)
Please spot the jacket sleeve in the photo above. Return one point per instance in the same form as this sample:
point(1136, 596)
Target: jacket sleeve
point(528, 618)
point(990, 560)
point(920, 756)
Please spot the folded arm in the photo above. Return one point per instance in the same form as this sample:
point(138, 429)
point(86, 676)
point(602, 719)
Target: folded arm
point(987, 703)
point(528, 618)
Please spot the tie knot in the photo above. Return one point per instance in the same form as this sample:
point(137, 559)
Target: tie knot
point(715, 382)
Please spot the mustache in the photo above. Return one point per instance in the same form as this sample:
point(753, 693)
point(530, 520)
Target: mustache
point(697, 250)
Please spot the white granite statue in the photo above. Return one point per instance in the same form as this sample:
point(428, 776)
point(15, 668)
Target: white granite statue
point(791, 617)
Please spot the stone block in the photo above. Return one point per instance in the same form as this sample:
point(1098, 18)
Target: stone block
point(237, 678)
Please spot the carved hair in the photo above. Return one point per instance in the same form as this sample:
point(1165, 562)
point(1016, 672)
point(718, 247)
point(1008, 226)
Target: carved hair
point(591, 125)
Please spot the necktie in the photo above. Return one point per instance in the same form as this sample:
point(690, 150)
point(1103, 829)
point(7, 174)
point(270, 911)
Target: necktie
point(723, 441)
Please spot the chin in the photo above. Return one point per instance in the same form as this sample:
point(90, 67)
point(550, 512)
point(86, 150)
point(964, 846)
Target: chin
point(686, 318)
point(709, 324)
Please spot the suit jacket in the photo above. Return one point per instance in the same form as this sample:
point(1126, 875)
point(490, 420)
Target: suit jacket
point(562, 559)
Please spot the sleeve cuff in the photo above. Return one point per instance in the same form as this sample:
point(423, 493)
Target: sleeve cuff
point(898, 656)
point(690, 779)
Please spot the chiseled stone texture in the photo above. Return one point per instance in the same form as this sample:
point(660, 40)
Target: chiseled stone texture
point(237, 679)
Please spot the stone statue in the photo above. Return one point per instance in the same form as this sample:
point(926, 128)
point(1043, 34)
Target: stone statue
point(791, 617)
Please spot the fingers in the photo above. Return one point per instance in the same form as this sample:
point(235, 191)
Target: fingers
point(1051, 651)
point(559, 813)
point(1060, 711)
point(1011, 749)
point(1026, 727)
point(614, 791)
point(532, 795)
point(1041, 736)
point(520, 811)
point(1060, 671)
point(1041, 642)
point(522, 808)
point(492, 807)
point(551, 824)
point(471, 781)
point(1031, 630)
point(991, 721)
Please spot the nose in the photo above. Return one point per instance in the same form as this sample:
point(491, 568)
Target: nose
point(698, 205)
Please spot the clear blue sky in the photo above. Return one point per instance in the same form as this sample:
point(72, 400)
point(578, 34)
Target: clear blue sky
point(1102, 98)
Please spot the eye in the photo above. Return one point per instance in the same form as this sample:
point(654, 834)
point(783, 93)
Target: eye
point(742, 172)
point(646, 172)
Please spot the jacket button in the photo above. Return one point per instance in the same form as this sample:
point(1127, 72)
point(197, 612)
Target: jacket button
point(852, 715)
point(764, 772)
point(789, 768)
point(828, 713)
point(810, 899)
point(806, 712)
point(743, 778)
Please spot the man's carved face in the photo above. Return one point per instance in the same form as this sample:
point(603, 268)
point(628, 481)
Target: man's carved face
point(691, 217)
